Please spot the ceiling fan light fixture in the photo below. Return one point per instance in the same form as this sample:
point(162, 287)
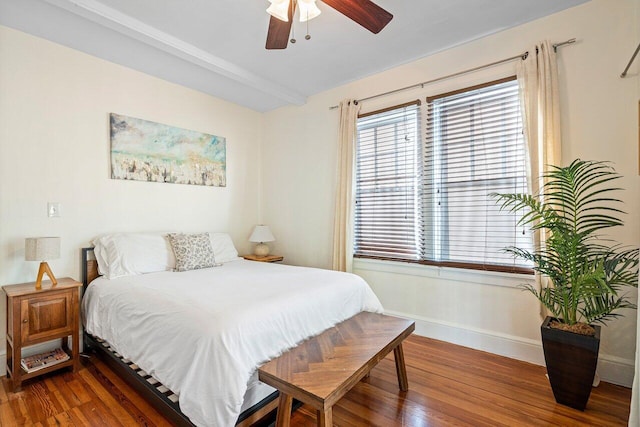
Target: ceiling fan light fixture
point(279, 9)
point(364, 12)
point(308, 10)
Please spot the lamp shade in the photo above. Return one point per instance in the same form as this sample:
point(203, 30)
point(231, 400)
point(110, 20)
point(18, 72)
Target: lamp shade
point(279, 9)
point(261, 233)
point(308, 10)
point(41, 248)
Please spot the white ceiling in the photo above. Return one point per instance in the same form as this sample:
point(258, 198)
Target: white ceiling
point(217, 46)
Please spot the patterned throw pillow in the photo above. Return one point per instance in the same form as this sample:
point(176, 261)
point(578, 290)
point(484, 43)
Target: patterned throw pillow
point(192, 251)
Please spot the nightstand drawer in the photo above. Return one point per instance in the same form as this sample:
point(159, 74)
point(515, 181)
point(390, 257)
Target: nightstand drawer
point(46, 316)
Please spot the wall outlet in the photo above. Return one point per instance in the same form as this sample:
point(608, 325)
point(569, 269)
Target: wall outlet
point(54, 210)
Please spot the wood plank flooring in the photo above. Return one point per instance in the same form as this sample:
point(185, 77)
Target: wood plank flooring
point(448, 385)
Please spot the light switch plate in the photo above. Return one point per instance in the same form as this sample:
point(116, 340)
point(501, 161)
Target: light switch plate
point(54, 210)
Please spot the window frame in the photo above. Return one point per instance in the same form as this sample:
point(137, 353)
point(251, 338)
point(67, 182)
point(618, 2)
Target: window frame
point(450, 264)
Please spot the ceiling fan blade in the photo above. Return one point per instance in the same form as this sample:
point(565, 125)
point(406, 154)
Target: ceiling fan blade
point(278, 33)
point(364, 12)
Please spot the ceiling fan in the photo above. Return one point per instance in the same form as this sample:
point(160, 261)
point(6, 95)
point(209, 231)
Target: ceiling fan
point(364, 12)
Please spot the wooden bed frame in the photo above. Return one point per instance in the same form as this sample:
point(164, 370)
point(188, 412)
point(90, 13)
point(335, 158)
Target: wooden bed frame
point(162, 399)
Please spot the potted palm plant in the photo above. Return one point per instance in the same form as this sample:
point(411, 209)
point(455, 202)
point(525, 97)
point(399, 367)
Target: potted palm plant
point(584, 274)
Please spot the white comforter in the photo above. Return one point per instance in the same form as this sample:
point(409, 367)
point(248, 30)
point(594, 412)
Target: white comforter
point(203, 333)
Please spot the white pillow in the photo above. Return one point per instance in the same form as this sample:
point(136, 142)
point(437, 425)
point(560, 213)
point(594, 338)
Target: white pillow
point(101, 256)
point(223, 249)
point(126, 254)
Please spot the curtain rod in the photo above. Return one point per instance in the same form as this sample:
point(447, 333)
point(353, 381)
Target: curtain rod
point(421, 85)
point(624, 73)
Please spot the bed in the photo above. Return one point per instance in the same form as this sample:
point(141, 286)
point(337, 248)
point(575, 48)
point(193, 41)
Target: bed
point(202, 333)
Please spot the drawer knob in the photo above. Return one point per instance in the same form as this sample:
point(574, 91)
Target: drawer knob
point(25, 321)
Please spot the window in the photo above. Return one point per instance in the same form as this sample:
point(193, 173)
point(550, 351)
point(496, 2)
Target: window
point(427, 199)
point(387, 209)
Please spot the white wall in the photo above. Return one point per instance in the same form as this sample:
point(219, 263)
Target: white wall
point(54, 146)
point(481, 310)
point(54, 106)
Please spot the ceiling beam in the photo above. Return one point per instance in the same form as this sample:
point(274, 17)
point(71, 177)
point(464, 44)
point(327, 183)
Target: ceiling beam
point(131, 27)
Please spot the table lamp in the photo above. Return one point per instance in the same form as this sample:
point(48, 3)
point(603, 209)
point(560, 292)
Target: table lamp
point(260, 235)
point(42, 249)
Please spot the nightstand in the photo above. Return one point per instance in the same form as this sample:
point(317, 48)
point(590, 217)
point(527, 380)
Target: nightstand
point(266, 258)
point(36, 316)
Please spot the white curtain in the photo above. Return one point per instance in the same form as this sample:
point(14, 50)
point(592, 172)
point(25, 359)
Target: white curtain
point(538, 81)
point(343, 220)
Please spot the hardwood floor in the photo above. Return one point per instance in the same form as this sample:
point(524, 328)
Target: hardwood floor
point(448, 385)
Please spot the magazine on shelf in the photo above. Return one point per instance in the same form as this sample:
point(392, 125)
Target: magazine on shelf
point(43, 360)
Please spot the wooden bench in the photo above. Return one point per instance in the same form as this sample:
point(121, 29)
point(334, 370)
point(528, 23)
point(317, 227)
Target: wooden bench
point(324, 368)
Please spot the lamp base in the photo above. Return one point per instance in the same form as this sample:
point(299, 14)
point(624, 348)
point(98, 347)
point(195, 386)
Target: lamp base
point(44, 268)
point(261, 250)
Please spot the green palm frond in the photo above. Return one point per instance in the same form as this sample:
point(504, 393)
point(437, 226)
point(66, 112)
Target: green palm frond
point(586, 275)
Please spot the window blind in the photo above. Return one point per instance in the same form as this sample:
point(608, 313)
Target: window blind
point(423, 196)
point(387, 212)
point(474, 146)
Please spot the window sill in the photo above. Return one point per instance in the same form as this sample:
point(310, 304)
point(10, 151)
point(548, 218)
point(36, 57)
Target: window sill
point(481, 277)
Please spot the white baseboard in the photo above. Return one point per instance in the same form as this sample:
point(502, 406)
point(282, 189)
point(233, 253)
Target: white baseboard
point(616, 370)
point(611, 369)
point(3, 364)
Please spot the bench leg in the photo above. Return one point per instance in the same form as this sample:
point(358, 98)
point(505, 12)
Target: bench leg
point(401, 369)
point(284, 410)
point(325, 418)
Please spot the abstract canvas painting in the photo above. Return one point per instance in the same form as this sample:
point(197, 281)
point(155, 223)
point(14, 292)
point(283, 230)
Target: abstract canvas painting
point(142, 150)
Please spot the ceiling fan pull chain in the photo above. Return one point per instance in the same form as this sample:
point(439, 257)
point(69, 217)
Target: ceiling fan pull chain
point(293, 30)
point(293, 27)
point(308, 36)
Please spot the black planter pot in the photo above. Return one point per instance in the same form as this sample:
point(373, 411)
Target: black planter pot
point(571, 363)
